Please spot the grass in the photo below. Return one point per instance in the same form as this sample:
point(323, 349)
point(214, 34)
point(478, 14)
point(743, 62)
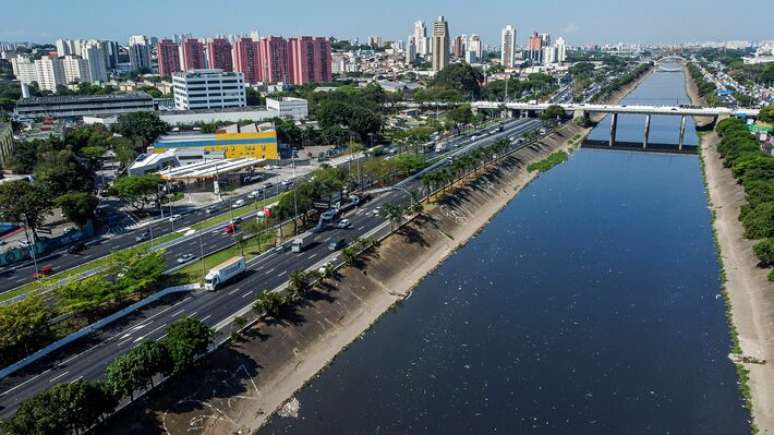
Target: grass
point(549, 162)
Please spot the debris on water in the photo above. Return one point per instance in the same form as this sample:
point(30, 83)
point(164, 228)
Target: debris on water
point(290, 408)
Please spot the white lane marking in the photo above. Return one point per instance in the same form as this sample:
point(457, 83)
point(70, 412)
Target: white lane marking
point(20, 279)
point(247, 294)
point(179, 313)
point(282, 273)
point(312, 256)
point(161, 338)
point(59, 376)
point(77, 379)
point(206, 317)
point(69, 359)
point(23, 383)
point(361, 228)
point(233, 291)
point(270, 271)
point(157, 328)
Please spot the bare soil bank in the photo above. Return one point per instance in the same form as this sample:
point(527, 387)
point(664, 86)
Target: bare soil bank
point(238, 388)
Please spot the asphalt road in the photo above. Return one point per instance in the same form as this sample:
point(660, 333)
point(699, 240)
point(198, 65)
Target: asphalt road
point(61, 260)
point(87, 358)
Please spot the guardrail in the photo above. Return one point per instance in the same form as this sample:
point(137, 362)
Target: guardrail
point(13, 368)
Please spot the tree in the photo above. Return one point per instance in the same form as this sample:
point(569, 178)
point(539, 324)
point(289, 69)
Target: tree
point(144, 125)
point(138, 190)
point(461, 114)
point(186, 339)
point(759, 221)
point(62, 409)
point(61, 172)
point(553, 113)
point(394, 213)
point(460, 77)
point(268, 303)
point(24, 326)
point(350, 255)
point(79, 207)
point(765, 252)
point(767, 113)
point(24, 202)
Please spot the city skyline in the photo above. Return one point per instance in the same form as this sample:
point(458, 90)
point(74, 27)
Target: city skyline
point(691, 21)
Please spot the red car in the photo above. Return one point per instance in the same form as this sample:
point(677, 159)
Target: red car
point(43, 271)
point(230, 228)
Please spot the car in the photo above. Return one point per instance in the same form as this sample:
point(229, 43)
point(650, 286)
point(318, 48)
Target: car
point(230, 228)
point(69, 230)
point(212, 209)
point(268, 185)
point(43, 272)
point(76, 248)
point(236, 219)
point(336, 244)
point(24, 243)
point(343, 224)
point(254, 194)
point(143, 236)
point(376, 212)
point(238, 203)
point(286, 183)
point(328, 214)
point(185, 258)
point(174, 218)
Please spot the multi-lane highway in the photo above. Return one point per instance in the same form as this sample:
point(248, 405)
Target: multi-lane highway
point(88, 358)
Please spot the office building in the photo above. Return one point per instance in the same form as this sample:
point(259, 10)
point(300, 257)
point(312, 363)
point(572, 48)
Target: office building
point(245, 56)
point(111, 49)
point(78, 106)
point(139, 53)
point(219, 55)
point(289, 107)
point(420, 38)
point(49, 73)
point(411, 50)
point(273, 58)
point(440, 44)
point(168, 56)
point(508, 46)
point(535, 48)
point(458, 47)
point(192, 54)
point(309, 60)
point(561, 50)
point(208, 89)
point(96, 58)
point(76, 69)
point(474, 49)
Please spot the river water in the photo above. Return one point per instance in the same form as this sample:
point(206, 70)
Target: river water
point(590, 304)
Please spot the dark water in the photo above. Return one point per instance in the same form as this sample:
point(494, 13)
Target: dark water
point(589, 305)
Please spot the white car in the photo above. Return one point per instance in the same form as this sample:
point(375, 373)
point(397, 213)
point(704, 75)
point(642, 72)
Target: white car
point(185, 258)
point(238, 203)
point(254, 194)
point(174, 218)
point(343, 224)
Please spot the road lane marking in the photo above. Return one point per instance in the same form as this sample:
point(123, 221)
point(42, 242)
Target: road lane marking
point(233, 291)
point(270, 271)
point(59, 376)
point(247, 294)
point(77, 379)
point(22, 384)
point(179, 313)
point(312, 256)
point(206, 317)
point(69, 359)
point(282, 273)
point(361, 228)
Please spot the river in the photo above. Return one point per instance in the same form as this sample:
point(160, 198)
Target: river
point(590, 304)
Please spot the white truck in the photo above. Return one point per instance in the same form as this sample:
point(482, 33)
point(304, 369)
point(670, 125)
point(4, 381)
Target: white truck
point(300, 243)
point(224, 272)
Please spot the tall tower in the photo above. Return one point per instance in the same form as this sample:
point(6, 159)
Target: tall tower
point(420, 38)
point(440, 44)
point(508, 46)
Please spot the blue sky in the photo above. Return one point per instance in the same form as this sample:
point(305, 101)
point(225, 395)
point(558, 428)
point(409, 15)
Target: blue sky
point(588, 21)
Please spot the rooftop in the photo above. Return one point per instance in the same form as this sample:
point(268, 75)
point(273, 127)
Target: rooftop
point(60, 99)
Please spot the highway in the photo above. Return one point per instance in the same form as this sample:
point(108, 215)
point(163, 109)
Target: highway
point(87, 358)
point(61, 260)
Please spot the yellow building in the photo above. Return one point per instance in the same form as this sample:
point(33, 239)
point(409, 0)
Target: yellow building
point(261, 145)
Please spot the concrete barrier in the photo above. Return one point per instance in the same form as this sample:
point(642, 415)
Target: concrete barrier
point(13, 368)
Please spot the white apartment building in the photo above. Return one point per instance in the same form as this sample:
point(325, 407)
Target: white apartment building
point(549, 55)
point(208, 89)
point(561, 50)
point(24, 69)
point(508, 46)
point(76, 70)
point(49, 73)
point(289, 107)
point(96, 57)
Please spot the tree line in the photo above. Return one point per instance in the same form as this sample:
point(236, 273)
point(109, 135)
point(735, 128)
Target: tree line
point(754, 169)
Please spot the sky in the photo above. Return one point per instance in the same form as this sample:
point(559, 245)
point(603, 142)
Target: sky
point(579, 22)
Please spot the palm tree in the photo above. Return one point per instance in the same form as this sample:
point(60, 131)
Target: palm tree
point(350, 255)
point(393, 212)
point(298, 281)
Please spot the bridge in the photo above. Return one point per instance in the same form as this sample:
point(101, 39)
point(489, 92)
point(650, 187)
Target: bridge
point(583, 110)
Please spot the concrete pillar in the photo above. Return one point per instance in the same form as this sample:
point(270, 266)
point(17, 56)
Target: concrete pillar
point(613, 127)
point(647, 132)
point(683, 121)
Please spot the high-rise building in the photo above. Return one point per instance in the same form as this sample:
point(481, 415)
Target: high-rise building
point(458, 47)
point(208, 89)
point(561, 50)
point(245, 56)
point(139, 52)
point(535, 48)
point(508, 46)
point(24, 70)
point(49, 73)
point(411, 50)
point(95, 55)
point(440, 44)
point(310, 60)
point(375, 41)
point(167, 53)
point(219, 54)
point(475, 46)
point(192, 53)
point(421, 39)
point(76, 69)
point(273, 58)
point(64, 47)
point(111, 53)
point(549, 55)
point(545, 39)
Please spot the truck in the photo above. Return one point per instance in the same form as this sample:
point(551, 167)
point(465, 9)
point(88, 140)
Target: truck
point(224, 272)
point(440, 147)
point(299, 243)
